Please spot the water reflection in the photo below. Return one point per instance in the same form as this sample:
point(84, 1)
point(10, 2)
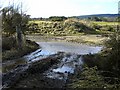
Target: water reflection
point(54, 47)
point(69, 64)
point(48, 48)
point(64, 69)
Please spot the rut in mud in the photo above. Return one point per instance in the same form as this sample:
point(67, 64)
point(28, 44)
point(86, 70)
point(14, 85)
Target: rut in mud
point(56, 76)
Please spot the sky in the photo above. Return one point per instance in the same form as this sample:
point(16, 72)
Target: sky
point(47, 8)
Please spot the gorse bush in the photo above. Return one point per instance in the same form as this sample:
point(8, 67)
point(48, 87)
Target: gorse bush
point(68, 26)
point(113, 57)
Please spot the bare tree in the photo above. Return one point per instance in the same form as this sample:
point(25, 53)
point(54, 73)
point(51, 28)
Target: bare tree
point(14, 21)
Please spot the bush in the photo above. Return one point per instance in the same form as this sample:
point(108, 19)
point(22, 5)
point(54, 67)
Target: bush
point(95, 26)
point(10, 50)
point(90, 78)
point(8, 43)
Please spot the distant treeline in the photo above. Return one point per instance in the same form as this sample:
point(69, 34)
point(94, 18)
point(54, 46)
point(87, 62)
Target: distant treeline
point(99, 17)
point(106, 19)
point(57, 18)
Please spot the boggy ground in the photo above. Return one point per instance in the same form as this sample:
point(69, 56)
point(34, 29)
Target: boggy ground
point(29, 71)
point(35, 75)
point(39, 81)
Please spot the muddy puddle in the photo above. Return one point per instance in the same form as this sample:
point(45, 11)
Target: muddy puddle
point(70, 63)
point(54, 47)
point(49, 48)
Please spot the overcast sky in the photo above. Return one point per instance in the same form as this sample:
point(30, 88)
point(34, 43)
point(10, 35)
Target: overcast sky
point(47, 8)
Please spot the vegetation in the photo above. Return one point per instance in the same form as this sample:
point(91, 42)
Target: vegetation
point(114, 52)
point(11, 17)
point(10, 49)
point(100, 17)
point(90, 78)
point(56, 18)
point(14, 43)
point(70, 26)
point(101, 70)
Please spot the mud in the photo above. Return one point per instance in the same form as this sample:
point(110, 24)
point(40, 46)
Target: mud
point(48, 67)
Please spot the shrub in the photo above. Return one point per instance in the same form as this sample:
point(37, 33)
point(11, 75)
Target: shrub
point(10, 51)
point(8, 43)
point(90, 78)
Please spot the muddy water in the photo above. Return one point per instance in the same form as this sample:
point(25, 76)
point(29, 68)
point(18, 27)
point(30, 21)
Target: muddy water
point(67, 64)
point(71, 62)
point(53, 47)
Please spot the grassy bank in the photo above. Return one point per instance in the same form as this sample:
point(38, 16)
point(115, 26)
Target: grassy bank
point(10, 51)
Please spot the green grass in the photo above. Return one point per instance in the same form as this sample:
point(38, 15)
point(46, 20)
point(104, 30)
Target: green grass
point(105, 23)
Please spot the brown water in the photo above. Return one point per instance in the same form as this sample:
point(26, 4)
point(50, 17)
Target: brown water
point(48, 48)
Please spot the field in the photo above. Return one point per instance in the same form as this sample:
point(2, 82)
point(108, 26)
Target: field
point(106, 23)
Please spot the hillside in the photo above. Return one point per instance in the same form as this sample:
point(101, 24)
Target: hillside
point(99, 15)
